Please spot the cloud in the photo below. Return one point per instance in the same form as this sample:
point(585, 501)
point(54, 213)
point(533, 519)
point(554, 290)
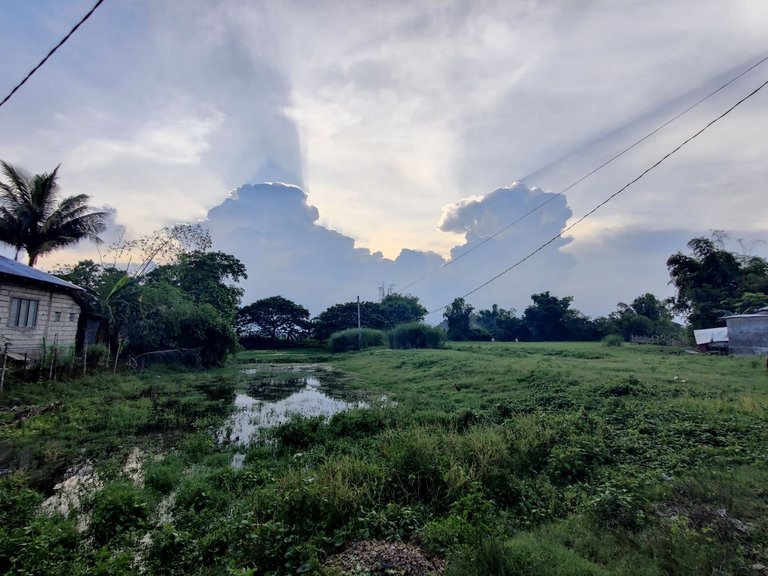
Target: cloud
point(275, 233)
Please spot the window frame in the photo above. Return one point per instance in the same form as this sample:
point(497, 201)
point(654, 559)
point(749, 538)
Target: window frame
point(20, 307)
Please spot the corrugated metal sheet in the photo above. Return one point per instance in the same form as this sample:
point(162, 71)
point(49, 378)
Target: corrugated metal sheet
point(710, 335)
point(12, 268)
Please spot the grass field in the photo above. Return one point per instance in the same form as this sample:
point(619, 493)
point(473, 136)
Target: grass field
point(503, 458)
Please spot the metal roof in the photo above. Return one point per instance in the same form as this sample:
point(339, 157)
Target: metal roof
point(10, 267)
point(710, 335)
point(762, 313)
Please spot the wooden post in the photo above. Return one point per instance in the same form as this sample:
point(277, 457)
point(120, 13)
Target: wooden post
point(5, 359)
point(85, 358)
point(117, 355)
point(53, 356)
point(53, 361)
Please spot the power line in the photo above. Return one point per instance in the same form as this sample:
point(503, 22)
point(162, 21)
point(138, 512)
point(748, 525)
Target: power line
point(612, 196)
point(374, 316)
point(593, 171)
point(44, 60)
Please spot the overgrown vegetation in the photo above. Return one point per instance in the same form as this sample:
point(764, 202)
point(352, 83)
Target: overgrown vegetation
point(354, 339)
point(416, 335)
point(549, 458)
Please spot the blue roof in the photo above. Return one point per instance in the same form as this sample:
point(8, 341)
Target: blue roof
point(12, 268)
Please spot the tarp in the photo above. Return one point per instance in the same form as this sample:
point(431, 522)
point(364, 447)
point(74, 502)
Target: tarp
point(710, 335)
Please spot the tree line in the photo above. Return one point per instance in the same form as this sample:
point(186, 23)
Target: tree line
point(179, 294)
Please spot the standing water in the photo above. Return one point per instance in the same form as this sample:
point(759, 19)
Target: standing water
point(275, 396)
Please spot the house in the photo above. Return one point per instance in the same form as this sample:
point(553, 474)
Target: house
point(712, 340)
point(37, 310)
point(748, 333)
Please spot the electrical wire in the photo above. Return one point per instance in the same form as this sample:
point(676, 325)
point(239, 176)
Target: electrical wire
point(375, 316)
point(612, 196)
point(44, 60)
point(593, 171)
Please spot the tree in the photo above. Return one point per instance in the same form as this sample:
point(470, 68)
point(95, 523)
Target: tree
point(342, 316)
point(33, 218)
point(399, 308)
point(712, 281)
point(547, 316)
point(645, 316)
point(186, 303)
point(502, 325)
point(165, 317)
point(274, 318)
point(206, 278)
point(458, 316)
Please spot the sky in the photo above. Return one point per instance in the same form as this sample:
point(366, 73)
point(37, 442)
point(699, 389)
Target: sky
point(337, 147)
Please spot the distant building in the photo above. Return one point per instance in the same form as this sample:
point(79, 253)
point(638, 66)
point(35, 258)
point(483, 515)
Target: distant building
point(712, 340)
point(748, 333)
point(36, 309)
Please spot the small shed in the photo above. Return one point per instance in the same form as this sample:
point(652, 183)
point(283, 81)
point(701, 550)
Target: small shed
point(748, 333)
point(37, 310)
point(712, 340)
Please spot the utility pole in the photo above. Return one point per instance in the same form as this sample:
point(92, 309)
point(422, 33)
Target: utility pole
point(359, 327)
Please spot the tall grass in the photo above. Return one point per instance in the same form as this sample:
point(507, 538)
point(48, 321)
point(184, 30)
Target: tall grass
point(416, 335)
point(354, 339)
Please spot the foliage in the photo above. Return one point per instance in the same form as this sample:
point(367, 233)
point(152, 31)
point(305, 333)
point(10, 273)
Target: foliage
point(416, 335)
point(32, 216)
point(713, 282)
point(612, 340)
point(502, 325)
point(343, 316)
point(274, 318)
point(401, 309)
point(393, 309)
point(206, 278)
point(458, 316)
point(354, 339)
point(117, 508)
point(545, 459)
point(551, 318)
point(97, 355)
point(188, 303)
point(166, 317)
point(645, 316)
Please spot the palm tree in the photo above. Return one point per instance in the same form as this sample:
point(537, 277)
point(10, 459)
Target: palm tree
point(33, 218)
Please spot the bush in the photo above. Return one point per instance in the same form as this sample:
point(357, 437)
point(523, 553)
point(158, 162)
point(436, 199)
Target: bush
point(97, 355)
point(118, 508)
point(348, 339)
point(416, 335)
point(613, 341)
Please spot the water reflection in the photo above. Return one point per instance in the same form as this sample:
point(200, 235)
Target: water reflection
point(274, 400)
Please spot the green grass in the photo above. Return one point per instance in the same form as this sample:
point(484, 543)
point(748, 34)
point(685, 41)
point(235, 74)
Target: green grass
point(505, 458)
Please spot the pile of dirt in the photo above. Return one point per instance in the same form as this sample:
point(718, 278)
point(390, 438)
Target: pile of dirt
point(377, 557)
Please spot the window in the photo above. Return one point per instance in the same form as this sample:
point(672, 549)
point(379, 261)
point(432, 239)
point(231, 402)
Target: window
point(57, 316)
point(72, 316)
point(23, 312)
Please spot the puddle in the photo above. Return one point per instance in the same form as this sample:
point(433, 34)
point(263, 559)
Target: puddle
point(275, 396)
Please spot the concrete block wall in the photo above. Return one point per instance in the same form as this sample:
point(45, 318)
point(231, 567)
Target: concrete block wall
point(50, 327)
point(748, 335)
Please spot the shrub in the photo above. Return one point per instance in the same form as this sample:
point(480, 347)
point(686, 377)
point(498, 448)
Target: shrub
point(97, 355)
point(613, 341)
point(118, 508)
point(164, 476)
point(350, 339)
point(416, 335)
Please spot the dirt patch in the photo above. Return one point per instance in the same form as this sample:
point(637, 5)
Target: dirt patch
point(377, 557)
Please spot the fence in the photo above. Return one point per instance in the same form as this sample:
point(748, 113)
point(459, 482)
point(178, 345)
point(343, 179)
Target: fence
point(48, 362)
point(661, 340)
